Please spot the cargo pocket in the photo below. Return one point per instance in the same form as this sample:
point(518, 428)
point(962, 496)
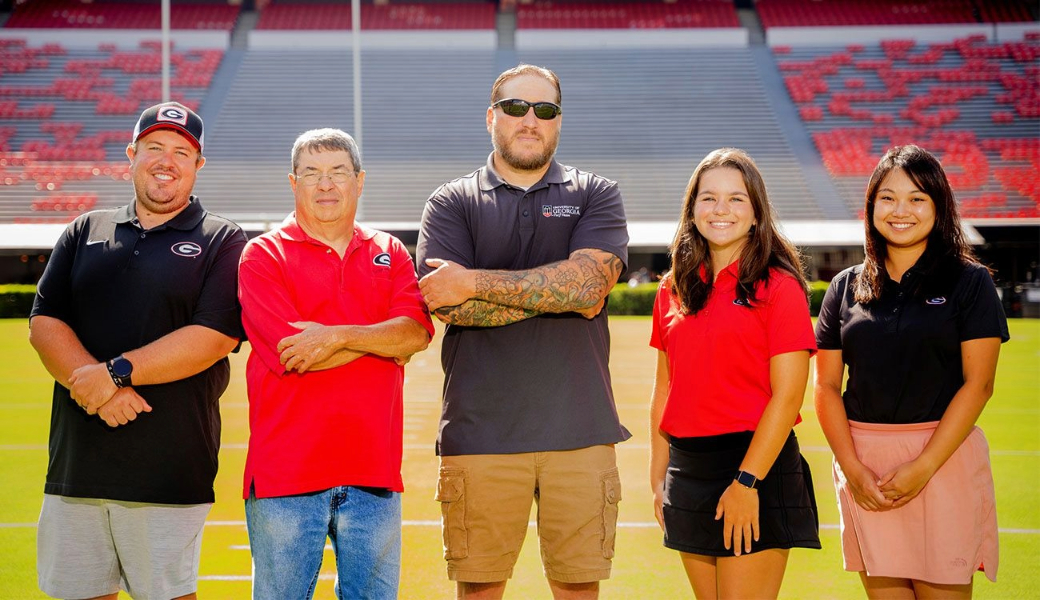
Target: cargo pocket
point(451, 493)
point(611, 496)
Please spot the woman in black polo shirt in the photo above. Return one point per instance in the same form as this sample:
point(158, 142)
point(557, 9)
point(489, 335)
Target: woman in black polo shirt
point(919, 325)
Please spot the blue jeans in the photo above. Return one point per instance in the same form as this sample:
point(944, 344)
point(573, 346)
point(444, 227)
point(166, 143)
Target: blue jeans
point(287, 539)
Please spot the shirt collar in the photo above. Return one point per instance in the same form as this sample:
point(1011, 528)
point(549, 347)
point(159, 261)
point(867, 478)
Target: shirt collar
point(489, 179)
point(727, 278)
point(186, 220)
point(290, 230)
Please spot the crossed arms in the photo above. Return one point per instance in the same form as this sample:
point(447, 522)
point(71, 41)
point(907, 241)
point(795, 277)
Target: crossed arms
point(177, 355)
point(487, 298)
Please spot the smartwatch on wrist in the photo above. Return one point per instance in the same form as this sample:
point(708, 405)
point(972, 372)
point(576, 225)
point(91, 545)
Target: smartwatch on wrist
point(121, 370)
point(746, 479)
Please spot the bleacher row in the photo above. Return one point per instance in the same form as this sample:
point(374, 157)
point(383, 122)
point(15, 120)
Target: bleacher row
point(808, 13)
point(976, 104)
point(539, 14)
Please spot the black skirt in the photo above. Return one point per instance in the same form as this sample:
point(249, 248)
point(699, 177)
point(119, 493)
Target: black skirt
point(699, 471)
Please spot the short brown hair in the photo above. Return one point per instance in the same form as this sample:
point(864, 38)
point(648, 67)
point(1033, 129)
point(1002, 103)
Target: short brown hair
point(525, 69)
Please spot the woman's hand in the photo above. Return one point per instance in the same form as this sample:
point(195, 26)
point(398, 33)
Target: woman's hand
point(903, 483)
point(659, 504)
point(738, 508)
point(863, 484)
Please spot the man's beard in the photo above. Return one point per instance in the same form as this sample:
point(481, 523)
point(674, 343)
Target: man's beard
point(526, 163)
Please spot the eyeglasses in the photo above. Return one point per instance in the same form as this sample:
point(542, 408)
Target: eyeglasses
point(514, 107)
point(309, 179)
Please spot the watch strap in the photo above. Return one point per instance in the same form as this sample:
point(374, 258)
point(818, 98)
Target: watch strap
point(120, 382)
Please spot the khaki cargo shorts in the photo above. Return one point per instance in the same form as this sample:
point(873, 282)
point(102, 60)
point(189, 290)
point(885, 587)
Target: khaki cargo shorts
point(486, 506)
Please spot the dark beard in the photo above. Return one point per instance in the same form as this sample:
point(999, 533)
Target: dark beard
point(532, 163)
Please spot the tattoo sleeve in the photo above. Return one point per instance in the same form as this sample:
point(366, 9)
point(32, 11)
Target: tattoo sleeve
point(479, 313)
point(574, 284)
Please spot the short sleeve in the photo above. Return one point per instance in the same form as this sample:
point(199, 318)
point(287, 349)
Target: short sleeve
point(267, 308)
point(789, 327)
point(602, 225)
point(217, 307)
point(443, 233)
point(662, 305)
point(54, 290)
point(828, 323)
point(981, 314)
point(405, 299)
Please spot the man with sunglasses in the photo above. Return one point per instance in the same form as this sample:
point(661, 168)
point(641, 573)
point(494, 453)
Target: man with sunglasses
point(333, 311)
point(518, 258)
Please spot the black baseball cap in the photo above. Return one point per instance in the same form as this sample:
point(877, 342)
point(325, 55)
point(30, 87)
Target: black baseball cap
point(171, 115)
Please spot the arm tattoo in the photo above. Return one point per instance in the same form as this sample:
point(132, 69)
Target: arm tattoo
point(478, 313)
point(577, 283)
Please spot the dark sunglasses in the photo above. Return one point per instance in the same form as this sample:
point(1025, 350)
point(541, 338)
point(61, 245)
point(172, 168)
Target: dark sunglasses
point(515, 107)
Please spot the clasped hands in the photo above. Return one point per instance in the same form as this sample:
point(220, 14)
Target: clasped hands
point(894, 489)
point(92, 388)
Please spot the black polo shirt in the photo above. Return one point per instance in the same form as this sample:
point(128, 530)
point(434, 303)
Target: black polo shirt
point(904, 350)
point(540, 384)
point(120, 287)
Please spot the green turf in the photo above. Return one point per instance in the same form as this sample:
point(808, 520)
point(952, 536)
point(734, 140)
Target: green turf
point(642, 567)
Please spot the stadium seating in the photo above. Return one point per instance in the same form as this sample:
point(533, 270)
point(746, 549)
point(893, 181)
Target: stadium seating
point(117, 15)
point(547, 14)
point(813, 13)
point(66, 116)
point(974, 103)
point(396, 16)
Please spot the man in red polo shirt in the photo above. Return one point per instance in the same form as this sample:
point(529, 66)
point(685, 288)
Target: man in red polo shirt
point(333, 311)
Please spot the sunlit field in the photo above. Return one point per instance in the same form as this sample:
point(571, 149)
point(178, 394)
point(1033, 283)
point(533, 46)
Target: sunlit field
point(642, 567)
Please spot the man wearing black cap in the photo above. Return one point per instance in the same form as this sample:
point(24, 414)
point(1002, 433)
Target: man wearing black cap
point(134, 317)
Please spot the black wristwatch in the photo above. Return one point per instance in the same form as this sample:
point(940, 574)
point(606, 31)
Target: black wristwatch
point(120, 369)
point(746, 479)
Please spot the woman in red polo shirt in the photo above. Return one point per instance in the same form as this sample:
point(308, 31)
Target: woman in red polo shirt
point(731, 321)
point(920, 325)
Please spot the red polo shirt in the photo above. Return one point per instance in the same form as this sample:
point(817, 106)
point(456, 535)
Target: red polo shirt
point(719, 357)
point(339, 426)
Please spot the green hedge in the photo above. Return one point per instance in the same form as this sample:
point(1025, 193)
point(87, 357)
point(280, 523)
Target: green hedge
point(639, 300)
point(16, 300)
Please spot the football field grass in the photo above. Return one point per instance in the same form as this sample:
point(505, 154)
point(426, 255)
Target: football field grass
point(642, 567)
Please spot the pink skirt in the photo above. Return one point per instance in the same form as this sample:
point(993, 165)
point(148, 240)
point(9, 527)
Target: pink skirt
point(944, 534)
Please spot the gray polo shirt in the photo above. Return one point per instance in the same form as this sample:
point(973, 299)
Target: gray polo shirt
point(540, 384)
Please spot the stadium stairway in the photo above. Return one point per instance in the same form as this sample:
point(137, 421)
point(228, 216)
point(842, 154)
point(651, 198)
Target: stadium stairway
point(817, 178)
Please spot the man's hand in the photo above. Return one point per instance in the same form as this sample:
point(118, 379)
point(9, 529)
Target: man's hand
point(449, 284)
point(91, 386)
point(124, 407)
point(591, 312)
point(314, 344)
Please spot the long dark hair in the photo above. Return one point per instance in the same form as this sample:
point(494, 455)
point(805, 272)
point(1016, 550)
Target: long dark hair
point(946, 250)
point(766, 247)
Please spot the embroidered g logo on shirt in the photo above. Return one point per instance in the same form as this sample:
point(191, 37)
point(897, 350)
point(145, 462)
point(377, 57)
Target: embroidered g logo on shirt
point(381, 260)
point(549, 210)
point(188, 249)
point(739, 302)
point(936, 301)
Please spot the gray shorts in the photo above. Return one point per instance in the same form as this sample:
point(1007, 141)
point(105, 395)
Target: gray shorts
point(87, 547)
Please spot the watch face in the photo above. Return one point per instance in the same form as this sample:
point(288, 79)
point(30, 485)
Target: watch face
point(122, 367)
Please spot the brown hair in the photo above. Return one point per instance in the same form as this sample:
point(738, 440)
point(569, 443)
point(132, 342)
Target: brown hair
point(525, 69)
point(946, 247)
point(766, 247)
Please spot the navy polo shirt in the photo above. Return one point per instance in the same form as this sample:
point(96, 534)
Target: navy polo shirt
point(543, 383)
point(120, 287)
point(904, 350)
